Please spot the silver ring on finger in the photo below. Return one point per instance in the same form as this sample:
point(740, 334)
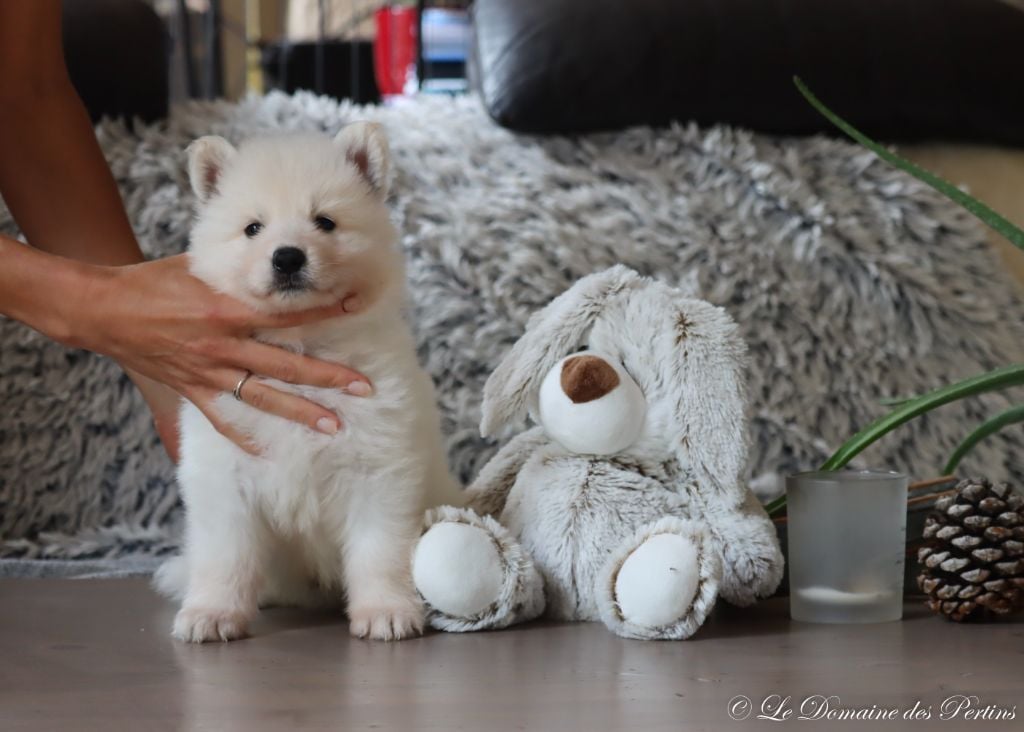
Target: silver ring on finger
point(237, 391)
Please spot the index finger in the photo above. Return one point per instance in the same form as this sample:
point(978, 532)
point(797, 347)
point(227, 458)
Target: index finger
point(293, 368)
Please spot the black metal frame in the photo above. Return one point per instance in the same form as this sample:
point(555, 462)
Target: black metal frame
point(213, 53)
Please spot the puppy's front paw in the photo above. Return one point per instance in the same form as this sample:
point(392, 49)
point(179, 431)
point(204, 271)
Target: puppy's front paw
point(200, 624)
point(386, 623)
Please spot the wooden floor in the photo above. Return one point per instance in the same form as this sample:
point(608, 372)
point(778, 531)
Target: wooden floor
point(96, 655)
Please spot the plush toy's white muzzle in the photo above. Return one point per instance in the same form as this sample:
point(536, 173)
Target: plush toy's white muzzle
point(589, 404)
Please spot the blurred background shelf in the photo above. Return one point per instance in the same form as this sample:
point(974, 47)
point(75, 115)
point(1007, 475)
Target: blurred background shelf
point(226, 48)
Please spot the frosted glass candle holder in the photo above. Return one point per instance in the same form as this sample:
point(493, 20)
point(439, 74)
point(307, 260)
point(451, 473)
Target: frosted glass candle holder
point(847, 533)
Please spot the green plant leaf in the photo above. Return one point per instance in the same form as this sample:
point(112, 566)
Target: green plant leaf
point(1002, 378)
point(1003, 419)
point(972, 204)
point(1012, 375)
point(773, 507)
point(895, 401)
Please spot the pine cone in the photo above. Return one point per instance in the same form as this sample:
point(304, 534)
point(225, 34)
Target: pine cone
point(973, 564)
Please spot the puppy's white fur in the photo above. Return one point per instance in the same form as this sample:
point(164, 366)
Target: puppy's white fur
point(315, 513)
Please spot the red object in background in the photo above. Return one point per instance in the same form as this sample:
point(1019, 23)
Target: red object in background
point(394, 51)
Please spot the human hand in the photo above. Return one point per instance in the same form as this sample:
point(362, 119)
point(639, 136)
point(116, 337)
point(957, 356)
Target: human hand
point(158, 320)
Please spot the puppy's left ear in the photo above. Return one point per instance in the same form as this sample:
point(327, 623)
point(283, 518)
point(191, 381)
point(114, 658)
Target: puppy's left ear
point(366, 147)
point(207, 158)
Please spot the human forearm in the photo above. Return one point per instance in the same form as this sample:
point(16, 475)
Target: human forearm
point(53, 176)
point(43, 291)
point(56, 183)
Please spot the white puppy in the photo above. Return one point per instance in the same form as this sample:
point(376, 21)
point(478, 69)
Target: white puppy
point(286, 223)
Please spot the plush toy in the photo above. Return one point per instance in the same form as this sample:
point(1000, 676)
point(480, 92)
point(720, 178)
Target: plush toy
point(626, 503)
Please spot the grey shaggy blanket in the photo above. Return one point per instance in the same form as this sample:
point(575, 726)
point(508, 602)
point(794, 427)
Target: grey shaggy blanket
point(851, 283)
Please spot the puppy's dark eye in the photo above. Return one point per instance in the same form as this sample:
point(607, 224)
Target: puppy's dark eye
point(323, 223)
point(253, 229)
point(583, 348)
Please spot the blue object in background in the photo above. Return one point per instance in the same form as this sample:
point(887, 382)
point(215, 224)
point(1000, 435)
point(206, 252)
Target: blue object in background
point(444, 38)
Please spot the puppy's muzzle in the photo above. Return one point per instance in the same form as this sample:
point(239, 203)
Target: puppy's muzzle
point(289, 264)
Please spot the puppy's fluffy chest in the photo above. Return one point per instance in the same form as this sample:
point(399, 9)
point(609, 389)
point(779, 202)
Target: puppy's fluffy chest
point(379, 346)
point(300, 470)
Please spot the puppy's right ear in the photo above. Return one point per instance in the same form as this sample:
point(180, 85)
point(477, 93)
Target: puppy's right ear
point(207, 158)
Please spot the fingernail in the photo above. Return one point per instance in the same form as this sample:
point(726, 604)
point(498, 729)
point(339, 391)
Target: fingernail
point(359, 389)
point(351, 303)
point(327, 425)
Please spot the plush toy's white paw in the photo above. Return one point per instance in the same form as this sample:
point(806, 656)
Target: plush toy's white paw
point(658, 581)
point(201, 624)
point(457, 569)
point(387, 624)
point(661, 582)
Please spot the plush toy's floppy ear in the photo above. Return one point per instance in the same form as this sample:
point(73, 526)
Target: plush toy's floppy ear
point(366, 147)
point(708, 416)
point(207, 158)
point(550, 334)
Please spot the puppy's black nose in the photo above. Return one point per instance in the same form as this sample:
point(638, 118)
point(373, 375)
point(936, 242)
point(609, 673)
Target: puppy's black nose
point(288, 260)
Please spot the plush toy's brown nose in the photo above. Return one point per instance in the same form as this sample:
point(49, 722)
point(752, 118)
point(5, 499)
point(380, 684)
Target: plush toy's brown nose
point(586, 378)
